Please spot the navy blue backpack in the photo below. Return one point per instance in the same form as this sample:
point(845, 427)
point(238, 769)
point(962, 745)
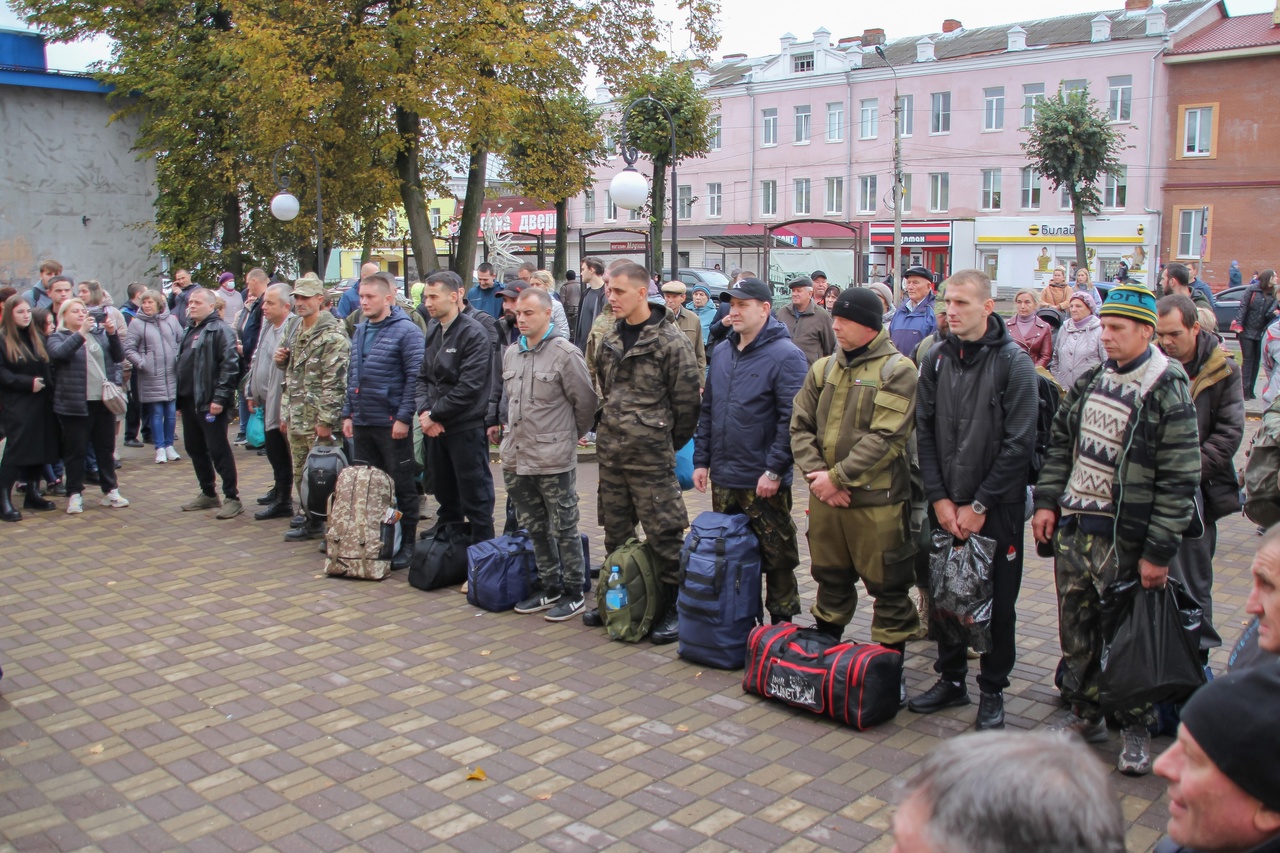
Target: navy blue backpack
point(719, 598)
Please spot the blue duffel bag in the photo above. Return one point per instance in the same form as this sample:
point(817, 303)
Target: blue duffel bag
point(500, 572)
point(719, 598)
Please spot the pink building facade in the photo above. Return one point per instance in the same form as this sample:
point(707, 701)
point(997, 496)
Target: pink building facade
point(808, 133)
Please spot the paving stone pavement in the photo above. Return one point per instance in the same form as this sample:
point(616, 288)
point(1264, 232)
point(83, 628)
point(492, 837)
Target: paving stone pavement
point(177, 682)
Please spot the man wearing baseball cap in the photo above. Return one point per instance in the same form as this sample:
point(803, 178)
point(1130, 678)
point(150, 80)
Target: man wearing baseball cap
point(1115, 497)
point(914, 319)
point(819, 279)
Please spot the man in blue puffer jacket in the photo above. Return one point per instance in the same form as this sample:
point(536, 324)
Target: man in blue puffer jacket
point(743, 440)
point(386, 354)
point(914, 320)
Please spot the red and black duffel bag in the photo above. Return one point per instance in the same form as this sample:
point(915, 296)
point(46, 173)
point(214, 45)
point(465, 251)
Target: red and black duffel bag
point(852, 683)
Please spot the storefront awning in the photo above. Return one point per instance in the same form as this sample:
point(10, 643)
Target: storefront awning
point(934, 233)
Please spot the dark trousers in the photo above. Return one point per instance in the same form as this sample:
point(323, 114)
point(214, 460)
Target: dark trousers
point(375, 446)
point(1193, 565)
point(209, 449)
point(11, 473)
point(461, 479)
point(1251, 352)
point(277, 447)
point(80, 432)
point(1005, 524)
point(133, 414)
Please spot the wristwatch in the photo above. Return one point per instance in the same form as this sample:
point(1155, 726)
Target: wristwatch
point(978, 508)
point(772, 476)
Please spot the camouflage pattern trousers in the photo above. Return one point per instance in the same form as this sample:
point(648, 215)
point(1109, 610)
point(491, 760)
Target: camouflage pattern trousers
point(772, 524)
point(651, 498)
point(1084, 565)
point(547, 506)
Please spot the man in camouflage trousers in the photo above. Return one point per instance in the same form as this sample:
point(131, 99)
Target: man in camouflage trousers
point(648, 381)
point(1115, 497)
point(314, 361)
point(743, 444)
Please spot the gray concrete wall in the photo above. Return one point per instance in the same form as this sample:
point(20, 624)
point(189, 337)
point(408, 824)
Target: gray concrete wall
point(72, 189)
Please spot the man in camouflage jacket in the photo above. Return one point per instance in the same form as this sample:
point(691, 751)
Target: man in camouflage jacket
point(649, 383)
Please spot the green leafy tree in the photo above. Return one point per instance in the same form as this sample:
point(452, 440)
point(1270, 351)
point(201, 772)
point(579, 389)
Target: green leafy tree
point(1073, 144)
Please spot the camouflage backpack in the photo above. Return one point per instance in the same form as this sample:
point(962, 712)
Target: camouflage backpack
point(363, 523)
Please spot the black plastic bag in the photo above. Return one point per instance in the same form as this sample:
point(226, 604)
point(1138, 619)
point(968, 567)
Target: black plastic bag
point(960, 585)
point(1151, 644)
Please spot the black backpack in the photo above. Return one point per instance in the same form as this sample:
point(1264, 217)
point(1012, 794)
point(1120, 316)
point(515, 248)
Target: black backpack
point(1050, 397)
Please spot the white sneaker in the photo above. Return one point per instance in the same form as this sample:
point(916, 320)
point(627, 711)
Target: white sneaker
point(75, 504)
point(171, 454)
point(161, 458)
point(114, 499)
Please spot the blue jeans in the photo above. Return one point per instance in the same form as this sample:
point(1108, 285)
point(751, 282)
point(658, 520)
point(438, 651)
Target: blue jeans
point(244, 416)
point(163, 417)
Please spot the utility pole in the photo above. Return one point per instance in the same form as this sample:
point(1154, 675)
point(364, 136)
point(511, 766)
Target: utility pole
point(897, 180)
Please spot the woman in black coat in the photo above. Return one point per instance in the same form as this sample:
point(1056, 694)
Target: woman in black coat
point(1258, 309)
point(26, 398)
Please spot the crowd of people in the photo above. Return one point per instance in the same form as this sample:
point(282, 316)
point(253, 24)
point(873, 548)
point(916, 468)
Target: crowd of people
point(898, 417)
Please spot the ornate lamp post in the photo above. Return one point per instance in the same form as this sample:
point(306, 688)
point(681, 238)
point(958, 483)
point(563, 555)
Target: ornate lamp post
point(285, 205)
point(630, 190)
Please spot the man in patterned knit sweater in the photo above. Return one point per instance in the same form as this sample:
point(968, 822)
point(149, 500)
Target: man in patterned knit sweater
point(1115, 495)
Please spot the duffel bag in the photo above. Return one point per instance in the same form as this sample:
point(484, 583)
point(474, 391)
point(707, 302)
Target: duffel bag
point(440, 557)
point(500, 572)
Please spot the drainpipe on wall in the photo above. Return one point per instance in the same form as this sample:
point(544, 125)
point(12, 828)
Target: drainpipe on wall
point(1151, 133)
point(848, 168)
point(751, 157)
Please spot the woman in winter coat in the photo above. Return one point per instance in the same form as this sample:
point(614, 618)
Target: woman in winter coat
point(84, 355)
point(26, 401)
point(1258, 308)
point(1079, 348)
point(1032, 334)
point(1271, 363)
point(151, 346)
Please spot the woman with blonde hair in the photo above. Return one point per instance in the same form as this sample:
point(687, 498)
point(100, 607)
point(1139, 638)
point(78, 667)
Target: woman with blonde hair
point(1034, 335)
point(26, 408)
point(559, 320)
point(151, 346)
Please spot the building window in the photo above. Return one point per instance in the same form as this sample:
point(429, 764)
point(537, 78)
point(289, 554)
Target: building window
point(1032, 93)
point(801, 63)
point(990, 189)
point(1030, 189)
point(610, 209)
point(835, 195)
point(435, 220)
point(589, 206)
point(713, 200)
point(940, 116)
point(633, 215)
point(1197, 137)
point(1116, 190)
point(939, 192)
point(717, 137)
point(906, 193)
point(867, 194)
point(1120, 98)
point(770, 127)
point(1064, 198)
point(803, 125)
point(802, 196)
point(870, 117)
point(1069, 86)
point(1192, 231)
point(684, 201)
point(993, 108)
point(610, 144)
point(835, 122)
point(906, 114)
point(768, 198)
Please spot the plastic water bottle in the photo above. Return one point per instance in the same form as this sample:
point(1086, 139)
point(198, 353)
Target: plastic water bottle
point(615, 597)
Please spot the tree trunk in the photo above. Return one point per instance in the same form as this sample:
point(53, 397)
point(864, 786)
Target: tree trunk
point(231, 254)
point(1082, 258)
point(469, 223)
point(421, 239)
point(560, 264)
point(366, 237)
point(658, 202)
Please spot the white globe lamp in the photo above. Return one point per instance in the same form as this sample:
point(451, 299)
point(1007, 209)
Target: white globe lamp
point(629, 189)
point(284, 206)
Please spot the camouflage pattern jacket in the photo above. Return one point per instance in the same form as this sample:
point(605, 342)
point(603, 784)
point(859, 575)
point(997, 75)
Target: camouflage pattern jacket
point(1157, 474)
point(650, 395)
point(315, 378)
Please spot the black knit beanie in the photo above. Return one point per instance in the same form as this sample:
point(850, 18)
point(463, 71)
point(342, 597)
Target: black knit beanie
point(1233, 718)
point(860, 306)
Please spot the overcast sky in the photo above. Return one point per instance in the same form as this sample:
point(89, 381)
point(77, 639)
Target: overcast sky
point(754, 26)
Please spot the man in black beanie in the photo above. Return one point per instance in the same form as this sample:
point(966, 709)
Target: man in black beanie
point(849, 431)
point(1224, 768)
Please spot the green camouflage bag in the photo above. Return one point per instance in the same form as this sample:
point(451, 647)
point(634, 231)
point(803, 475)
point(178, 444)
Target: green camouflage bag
point(627, 594)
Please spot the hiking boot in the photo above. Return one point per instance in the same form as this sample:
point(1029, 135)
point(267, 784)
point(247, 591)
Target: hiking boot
point(591, 618)
point(268, 499)
point(114, 499)
point(990, 711)
point(75, 504)
point(943, 694)
point(230, 509)
point(566, 608)
point(1135, 751)
point(202, 501)
point(541, 599)
point(667, 629)
point(1090, 731)
point(276, 510)
point(403, 557)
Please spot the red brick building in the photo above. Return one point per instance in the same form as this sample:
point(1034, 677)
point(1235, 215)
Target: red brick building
point(1222, 184)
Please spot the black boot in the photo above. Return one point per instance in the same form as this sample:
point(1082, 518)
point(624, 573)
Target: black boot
point(32, 500)
point(831, 629)
point(7, 510)
point(312, 528)
point(279, 509)
point(298, 520)
point(404, 556)
point(268, 499)
point(666, 626)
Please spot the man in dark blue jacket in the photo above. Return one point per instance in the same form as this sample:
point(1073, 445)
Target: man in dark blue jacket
point(453, 390)
point(743, 442)
point(386, 352)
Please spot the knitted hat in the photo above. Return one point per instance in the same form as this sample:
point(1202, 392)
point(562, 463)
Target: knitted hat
point(224, 278)
point(1232, 718)
point(861, 306)
point(1131, 302)
point(1086, 298)
point(882, 290)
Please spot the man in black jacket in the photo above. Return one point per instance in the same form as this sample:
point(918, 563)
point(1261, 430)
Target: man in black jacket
point(248, 328)
point(976, 409)
point(454, 387)
point(208, 368)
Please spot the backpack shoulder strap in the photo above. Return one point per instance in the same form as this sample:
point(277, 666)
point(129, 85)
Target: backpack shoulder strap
point(886, 369)
point(825, 366)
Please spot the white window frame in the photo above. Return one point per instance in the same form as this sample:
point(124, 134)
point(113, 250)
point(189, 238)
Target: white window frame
point(1064, 198)
point(715, 202)
point(939, 192)
point(993, 109)
point(1032, 93)
point(1115, 190)
point(684, 201)
point(868, 118)
point(716, 133)
point(804, 124)
point(802, 63)
point(906, 115)
point(634, 215)
point(768, 198)
point(835, 196)
point(769, 127)
point(991, 199)
point(437, 215)
point(1069, 86)
point(835, 122)
point(867, 201)
point(1203, 131)
point(802, 196)
point(1030, 196)
point(1120, 98)
point(589, 206)
point(1190, 224)
point(940, 114)
point(610, 208)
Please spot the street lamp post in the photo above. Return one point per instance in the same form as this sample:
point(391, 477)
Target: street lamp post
point(629, 189)
point(897, 179)
point(285, 205)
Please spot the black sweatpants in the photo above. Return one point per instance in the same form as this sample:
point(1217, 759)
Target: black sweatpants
point(277, 447)
point(209, 449)
point(1251, 352)
point(80, 432)
point(373, 445)
point(463, 483)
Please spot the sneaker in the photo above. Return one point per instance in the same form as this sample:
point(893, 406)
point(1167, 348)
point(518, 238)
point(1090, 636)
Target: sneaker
point(75, 504)
point(566, 609)
point(114, 499)
point(202, 501)
point(540, 600)
point(230, 509)
point(943, 694)
point(1090, 731)
point(132, 442)
point(1135, 751)
point(161, 458)
point(240, 441)
point(59, 488)
point(990, 711)
point(171, 454)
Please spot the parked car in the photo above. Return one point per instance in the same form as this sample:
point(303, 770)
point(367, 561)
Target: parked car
point(714, 280)
point(1226, 305)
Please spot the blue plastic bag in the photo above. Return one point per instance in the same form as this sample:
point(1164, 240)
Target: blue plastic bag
point(255, 432)
point(684, 466)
